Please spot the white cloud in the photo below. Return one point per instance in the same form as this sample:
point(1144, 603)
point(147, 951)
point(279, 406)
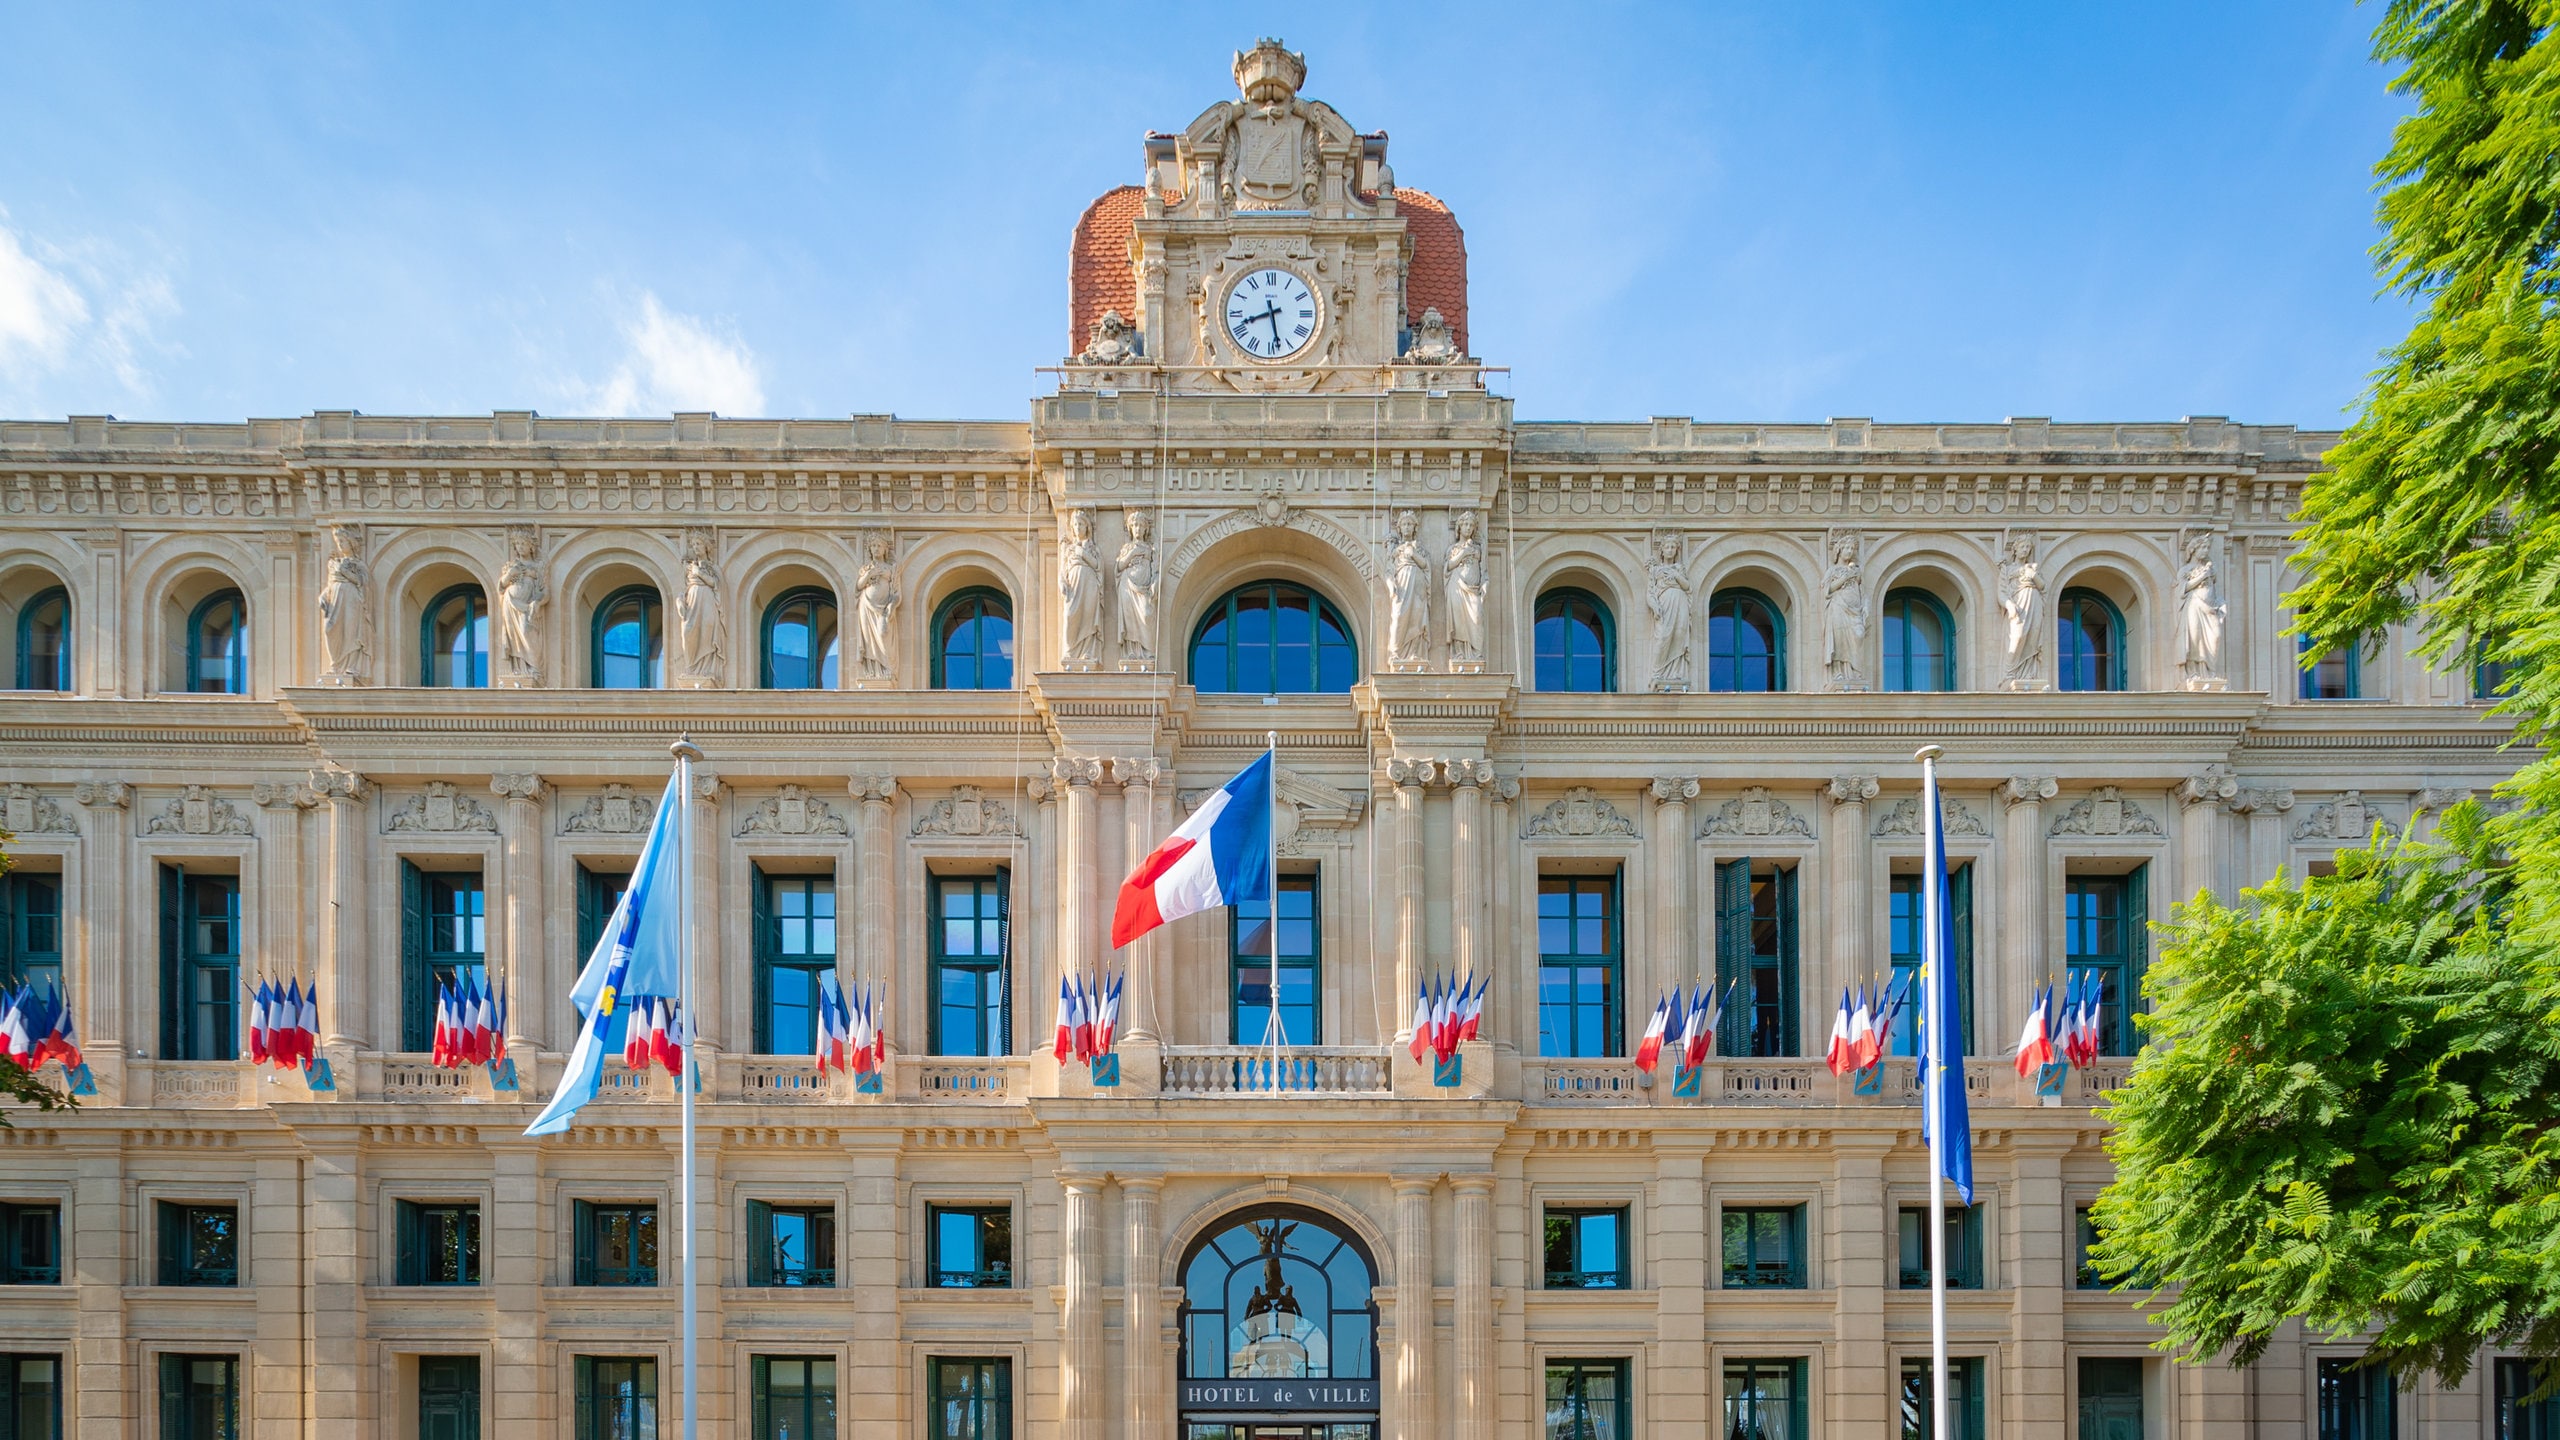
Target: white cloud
point(40, 310)
point(75, 323)
point(676, 362)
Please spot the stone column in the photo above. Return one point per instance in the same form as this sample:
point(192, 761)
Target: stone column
point(2023, 901)
point(2262, 810)
point(1142, 1308)
point(521, 860)
point(512, 1248)
point(1475, 1380)
point(1845, 858)
point(343, 1385)
point(115, 1028)
point(1511, 1022)
point(2040, 1247)
point(1408, 776)
point(2201, 797)
point(1137, 775)
point(343, 977)
point(1414, 1337)
point(1860, 1271)
point(1467, 854)
point(875, 907)
point(1672, 959)
point(1079, 913)
point(1081, 1383)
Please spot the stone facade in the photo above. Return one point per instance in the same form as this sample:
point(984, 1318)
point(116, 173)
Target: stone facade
point(1427, 800)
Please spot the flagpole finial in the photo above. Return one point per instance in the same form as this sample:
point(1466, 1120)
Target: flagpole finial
point(685, 749)
point(1929, 752)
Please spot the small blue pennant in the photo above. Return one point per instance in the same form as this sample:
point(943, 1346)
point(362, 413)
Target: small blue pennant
point(1106, 1071)
point(1446, 1073)
point(82, 1082)
point(315, 1073)
point(867, 1083)
point(2050, 1078)
point(1688, 1082)
point(502, 1073)
point(1869, 1081)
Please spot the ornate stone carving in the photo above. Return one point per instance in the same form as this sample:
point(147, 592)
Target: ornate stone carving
point(1137, 566)
point(873, 789)
point(1072, 770)
point(1506, 788)
point(967, 811)
point(1404, 770)
point(521, 594)
point(1667, 592)
point(199, 811)
point(1137, 770)
point(1272, 155)
point(2022, 605)
point(616, 810)
point(336, 784)
point(2255, 798)
point(702, 626)
point(1433, 342)
point(875, 610)
point(1844, 614)
point(1080, 590)
point(25, 810)
point(2347, 819)
point(1112, 340)
point(1465, 583)
point(2212, 785)
point(1668, 788)
point(292, 795)
point(112, 794)
point(1408, 596)
point(1580, 814)
point(442, 809)
point(1853, 789)
point(1272, 508)
point(1757, 811)
point(791, 810)
point(1903, 817)
point(2436, 799)
point(2105, 811)
point(1469, 772)
point(518, 785)
point(1314, 815)
point(346, 621)
point(2028, 789)
point(2201, 616)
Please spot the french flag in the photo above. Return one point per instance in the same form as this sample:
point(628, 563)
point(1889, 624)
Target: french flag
point(1649, 1049)
point(1842, 1053)
point(1698, 1038)
point(1866, 1043)
point(1221, 855)
point(1422, 1043)
point(2035, 1042)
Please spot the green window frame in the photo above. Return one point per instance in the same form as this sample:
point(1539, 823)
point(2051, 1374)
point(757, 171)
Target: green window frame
point(448, 1397)
point(1919, 642)
point(31, 930)
point(199, 965)
point(1581, 966)
point(972, 1247)
point(1272, 637)
point(616, 1243)
point(444, 940)
point(1586, 1248)
point(1746, 643)
point(2521, 1417)
point(794, 1397)
point(2085, 1274)
point(31, 1397)
point(969, 1398)
point(2110, 1397)
point(453, 640)
point(971, 958)
point(218, 645)
point(1588, 1400)
point(1903, 929)
point(627, 647)
point(1757, 958)
point(2358, 1401)
point(2089, 643)
point(1764, 1247)
point(1964, 1247)
point(439, 1243)
point(30, 1244)
point(973, 641)
point(2106, 929)
point(792, 1246)
point(1574, 643)
point(1764, 1399)
point(598, 892)
point(617, 1397)
point(1964, 1397)
point(802, 642)
point(199, 1397)
point(199, 1244)
point(2336, 674)
point(1301, 967)
point(795, 944)
point(44, 641)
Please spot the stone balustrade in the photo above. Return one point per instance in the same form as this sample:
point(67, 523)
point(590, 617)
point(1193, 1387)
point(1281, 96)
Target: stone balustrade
point(1241, 1070)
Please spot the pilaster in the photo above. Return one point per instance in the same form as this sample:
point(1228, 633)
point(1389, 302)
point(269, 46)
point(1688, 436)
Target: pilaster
point(343, 1387)
point(520, 1392)
point(116, 1029)
point(1149, 1403)
point(1408, 777)
point(1475, 1382)
point(273, 1402)
point(1845, 861)
point(875, 896)
point(520, 837)
point(2201, 797)
point(1861, 1376)
point(1676, 1240)
point(2022, 885)
point(1415, 1340)
point(342, 977)
point(1671, 956)
point(2038, 1238)
point(1137, 775)
point(1082, 1387)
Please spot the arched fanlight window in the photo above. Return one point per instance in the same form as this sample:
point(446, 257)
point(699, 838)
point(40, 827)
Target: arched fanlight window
point(2089, 642)
point(1273, 638)
point(630, 641)
point(218, 645)
point(44, 641)
point(973, 641)
point(1278, 1292)
point(1577, 643)
point(1919, 642)
point(453, 640)
point(800, 641)
point(1746, 643)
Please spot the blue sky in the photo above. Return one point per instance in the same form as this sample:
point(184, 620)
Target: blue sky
point(1768, 212)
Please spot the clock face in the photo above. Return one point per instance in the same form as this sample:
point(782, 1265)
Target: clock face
point(1271, 313)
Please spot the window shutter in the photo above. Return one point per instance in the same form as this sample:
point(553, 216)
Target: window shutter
point(1733, 953)
point(761, 950)
point(1789, 1001)
point(1973, 1245)
point(2137, 949)
point(173, 1396)
point(582, 1242)
point(411, 1270)
point(759, 1261)
point(172, 1242)
point(590, 913)
point(173, 931)
point(417, 982)
point(1004, 960)
point(586, 1387)
point(9, 932)
point(1960, 904)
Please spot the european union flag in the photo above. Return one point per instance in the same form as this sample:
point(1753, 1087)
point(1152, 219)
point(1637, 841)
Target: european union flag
point(641, 953)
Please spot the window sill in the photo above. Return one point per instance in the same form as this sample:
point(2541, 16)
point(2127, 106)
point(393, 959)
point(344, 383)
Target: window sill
point(232, 1294)
point(477, 1290)
point(907, 1295)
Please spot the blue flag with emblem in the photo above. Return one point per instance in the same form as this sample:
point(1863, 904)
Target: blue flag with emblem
point(641, 953)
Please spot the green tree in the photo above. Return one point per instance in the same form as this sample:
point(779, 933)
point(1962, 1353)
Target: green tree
point(24, 1086)
point(2345, 1112)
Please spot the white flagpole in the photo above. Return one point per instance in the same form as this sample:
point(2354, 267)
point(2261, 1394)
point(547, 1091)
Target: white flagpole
point(1931, 957)
point(686, 753)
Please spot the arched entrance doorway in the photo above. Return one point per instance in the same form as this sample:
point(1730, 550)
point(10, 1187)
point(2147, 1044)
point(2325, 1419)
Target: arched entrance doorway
point(1279, 1330)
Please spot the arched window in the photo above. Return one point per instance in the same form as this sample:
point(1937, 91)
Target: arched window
point(1273, 638)
point(1746, 643)
point(453, 640)
point(218, 645)
point(630, 641)
point(2090, 642)
point(1919, 642)
point(1279, 1293)
point(44, 641)
point(1577, 643)
point(800, 641)
point(973, 641)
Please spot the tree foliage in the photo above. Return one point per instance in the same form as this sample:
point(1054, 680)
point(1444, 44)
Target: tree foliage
point(2345, 1112)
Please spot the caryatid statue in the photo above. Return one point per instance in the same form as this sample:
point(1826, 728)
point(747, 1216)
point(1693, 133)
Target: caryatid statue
point(1667, 595)
point(1137, 566)
point(1844, 615)
point(1465, 570)
point(2201, 616)
point(1080, 587)
point(346, 623)
point(521, 593)
point(2022, 605)
point(1408, 596)
point(875, 611)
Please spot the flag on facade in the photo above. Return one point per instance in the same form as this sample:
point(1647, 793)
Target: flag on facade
point(1107, 1028)
point(1866, 1040)
point(1422, 1043)
point(1220, 856)
point(2035, 1041)
point(833, 1029)
point(640, 954)
point(1841, 1053)
point(1942, 1048)
point(1657, 1026)
point(1471, 1006)
point(1706, 1010)
point(258, 1022)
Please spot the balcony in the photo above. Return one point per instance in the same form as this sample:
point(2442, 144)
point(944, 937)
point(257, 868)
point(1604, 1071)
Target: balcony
point(1222, 1070)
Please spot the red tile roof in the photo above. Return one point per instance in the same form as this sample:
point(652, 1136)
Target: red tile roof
point(1100, 277)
